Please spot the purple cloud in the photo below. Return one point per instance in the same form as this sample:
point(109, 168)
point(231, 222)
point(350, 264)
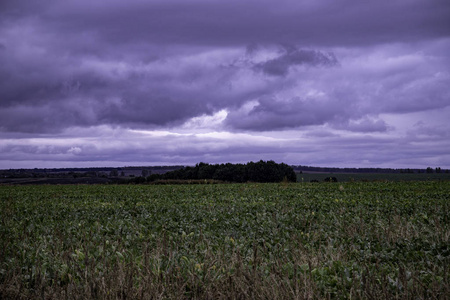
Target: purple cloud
point(280, 66)
point(315, 69)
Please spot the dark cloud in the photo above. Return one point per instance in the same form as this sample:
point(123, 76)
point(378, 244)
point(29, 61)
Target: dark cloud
point(271, 114)
point(317, 67)
point(234, 23)
point(280, 66)
point(423, 131)
point(364, 125)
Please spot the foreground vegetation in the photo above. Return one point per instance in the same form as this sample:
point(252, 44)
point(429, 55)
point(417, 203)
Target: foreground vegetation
point(271, 241)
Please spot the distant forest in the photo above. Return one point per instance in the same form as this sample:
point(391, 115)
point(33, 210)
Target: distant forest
point(308, 169)
point(262, 171)
point(257, 172)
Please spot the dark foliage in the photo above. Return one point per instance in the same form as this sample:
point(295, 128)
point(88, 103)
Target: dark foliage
point(261, 171)
point(330, 179)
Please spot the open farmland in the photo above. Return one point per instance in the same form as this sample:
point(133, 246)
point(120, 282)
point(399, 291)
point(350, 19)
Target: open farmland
point(350, 177)
point(285, 241)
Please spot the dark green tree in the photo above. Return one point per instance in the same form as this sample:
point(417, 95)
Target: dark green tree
point(256, 172)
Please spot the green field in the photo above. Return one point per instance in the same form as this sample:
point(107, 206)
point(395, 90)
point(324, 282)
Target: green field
point(350, 177)
point(359, 240)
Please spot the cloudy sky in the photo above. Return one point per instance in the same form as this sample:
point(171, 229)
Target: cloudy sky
point(342, 83)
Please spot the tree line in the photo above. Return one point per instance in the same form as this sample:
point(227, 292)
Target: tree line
point(262, 171)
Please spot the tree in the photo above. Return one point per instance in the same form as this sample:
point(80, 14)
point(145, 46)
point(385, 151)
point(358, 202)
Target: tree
point(206, 171)
point(257, 172)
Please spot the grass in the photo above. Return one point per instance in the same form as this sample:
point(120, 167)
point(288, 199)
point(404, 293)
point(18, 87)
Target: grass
point(237, 241)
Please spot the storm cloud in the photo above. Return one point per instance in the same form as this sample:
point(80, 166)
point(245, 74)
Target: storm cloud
point(85, 70)
point(280, 66)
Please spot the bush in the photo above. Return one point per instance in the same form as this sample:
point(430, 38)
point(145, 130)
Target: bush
point(330, 179)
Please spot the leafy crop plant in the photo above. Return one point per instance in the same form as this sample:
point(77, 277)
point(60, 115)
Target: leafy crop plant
point(381, 240)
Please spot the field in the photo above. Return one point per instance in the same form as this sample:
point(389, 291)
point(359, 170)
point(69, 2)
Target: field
point(359, 240)
point(350, 177)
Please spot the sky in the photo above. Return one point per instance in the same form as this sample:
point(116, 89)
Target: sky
point(337, 83)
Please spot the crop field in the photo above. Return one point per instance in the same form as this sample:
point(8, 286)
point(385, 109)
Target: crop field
point(350, 177)
point(358, 240)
